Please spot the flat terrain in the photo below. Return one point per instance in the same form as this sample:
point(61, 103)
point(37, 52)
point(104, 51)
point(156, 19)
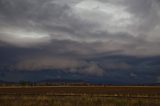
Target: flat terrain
point(80, 96)
point(133, 91)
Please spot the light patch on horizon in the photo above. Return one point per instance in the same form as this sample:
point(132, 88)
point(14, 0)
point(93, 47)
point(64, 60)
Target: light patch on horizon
point(23, 37)
point(59, 63)
point(20, 34)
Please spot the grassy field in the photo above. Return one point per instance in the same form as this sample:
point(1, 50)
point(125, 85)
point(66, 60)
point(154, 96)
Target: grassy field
point(80, 96)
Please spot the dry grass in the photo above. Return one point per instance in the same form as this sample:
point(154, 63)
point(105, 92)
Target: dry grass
point(85, 100)
point(80, 96)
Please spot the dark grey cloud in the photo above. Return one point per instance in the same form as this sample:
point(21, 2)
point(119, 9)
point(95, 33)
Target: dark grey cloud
point(129, 69)
point(37, 22)
point(73, 33)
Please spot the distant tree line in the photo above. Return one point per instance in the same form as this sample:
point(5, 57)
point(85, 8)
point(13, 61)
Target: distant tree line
point(28, 83)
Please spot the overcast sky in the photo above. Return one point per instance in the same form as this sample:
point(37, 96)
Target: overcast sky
point(63, 34)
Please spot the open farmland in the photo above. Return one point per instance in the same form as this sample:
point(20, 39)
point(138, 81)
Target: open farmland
point(128, 91)
point(80, 96)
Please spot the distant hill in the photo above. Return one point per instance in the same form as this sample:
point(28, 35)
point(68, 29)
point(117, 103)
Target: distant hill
point(70, 82)
point(2, 81)
point(6, 82)
point(154, 84)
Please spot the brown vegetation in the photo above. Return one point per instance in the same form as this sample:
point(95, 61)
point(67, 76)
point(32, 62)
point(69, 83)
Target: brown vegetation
point(80, 96)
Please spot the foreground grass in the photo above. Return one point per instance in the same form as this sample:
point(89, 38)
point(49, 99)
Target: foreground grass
point(83, 100)
point(80, 96)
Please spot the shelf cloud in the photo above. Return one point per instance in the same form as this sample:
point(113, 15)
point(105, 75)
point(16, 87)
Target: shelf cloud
point(79, 30)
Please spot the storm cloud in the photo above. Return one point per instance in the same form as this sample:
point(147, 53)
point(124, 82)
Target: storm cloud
point(68, 34)
point(121, 22)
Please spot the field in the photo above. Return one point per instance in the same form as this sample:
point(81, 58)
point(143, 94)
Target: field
point(80, 96)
